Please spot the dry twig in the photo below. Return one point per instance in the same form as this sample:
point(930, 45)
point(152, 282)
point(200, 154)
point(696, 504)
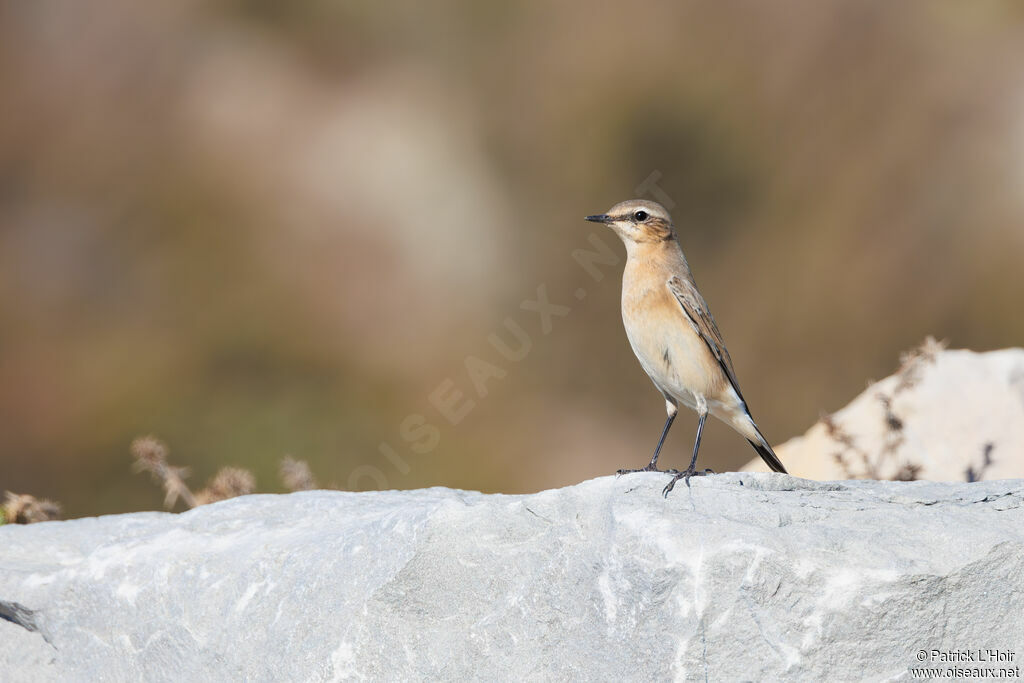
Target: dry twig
point(21, 508)
point(151, 456)
point(296, 475)
point(229, 482)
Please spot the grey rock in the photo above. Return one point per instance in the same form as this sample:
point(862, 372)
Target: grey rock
point(741, 577)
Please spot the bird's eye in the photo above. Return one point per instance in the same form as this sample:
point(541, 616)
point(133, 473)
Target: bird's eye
point(641, 216)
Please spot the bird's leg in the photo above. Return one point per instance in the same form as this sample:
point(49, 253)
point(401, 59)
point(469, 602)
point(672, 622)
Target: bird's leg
point(653, 465)
point(691, 471)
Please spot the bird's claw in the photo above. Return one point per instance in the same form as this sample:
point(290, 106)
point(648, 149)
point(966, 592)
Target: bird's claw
point(685, 476)
point(649, 468)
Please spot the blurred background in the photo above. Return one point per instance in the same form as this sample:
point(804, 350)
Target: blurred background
point(258, 229)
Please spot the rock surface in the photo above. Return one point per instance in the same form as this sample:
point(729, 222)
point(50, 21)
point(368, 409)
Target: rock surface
point(943, 413)
point(741, 577)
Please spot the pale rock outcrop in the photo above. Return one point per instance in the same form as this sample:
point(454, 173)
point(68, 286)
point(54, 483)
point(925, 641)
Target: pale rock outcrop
point(944, 416)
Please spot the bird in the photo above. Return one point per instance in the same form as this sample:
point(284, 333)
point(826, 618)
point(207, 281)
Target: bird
point(674, 336)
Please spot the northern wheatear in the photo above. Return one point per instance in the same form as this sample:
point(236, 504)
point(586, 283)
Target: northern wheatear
point(673, 334)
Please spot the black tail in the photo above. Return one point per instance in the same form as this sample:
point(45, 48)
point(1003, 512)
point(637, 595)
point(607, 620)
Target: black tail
point(768, 455)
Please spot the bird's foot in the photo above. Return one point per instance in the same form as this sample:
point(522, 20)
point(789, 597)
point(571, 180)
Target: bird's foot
point(685, 476)
point(649, 468)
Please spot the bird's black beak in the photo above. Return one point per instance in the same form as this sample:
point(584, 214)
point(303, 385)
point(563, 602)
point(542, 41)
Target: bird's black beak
point(600, 218)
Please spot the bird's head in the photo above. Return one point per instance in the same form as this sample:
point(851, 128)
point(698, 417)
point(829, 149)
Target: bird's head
point(637, 220)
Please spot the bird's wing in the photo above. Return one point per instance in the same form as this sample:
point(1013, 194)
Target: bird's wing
point(696, 310)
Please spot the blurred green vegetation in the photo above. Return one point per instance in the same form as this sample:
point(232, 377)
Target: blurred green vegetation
point(257, 229)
